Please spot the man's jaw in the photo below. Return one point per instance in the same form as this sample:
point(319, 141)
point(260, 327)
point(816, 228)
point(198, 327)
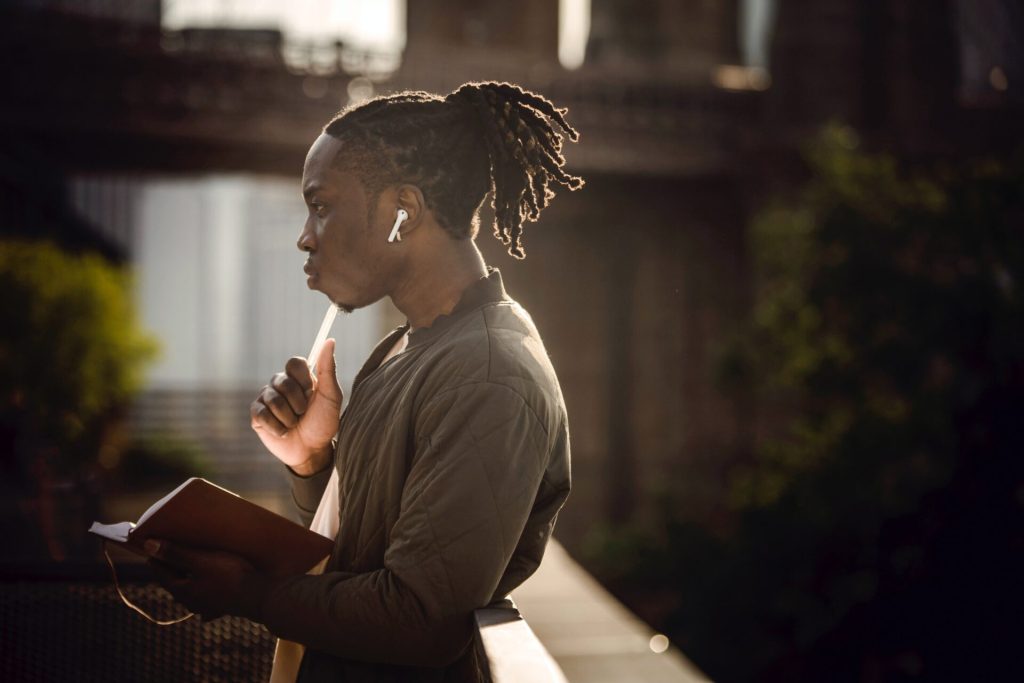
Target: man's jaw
point(342, 306)
point(312, 281)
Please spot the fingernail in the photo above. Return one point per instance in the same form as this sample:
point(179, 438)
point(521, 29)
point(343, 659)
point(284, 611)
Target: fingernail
point(151, 547)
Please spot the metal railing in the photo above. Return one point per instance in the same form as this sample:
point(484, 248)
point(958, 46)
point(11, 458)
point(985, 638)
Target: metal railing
point(64, 622)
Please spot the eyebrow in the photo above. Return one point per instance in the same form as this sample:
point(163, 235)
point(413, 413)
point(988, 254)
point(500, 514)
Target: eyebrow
point(310, 190)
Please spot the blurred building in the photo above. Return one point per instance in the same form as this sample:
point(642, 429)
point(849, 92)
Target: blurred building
point(219, 282)
point(690, 112)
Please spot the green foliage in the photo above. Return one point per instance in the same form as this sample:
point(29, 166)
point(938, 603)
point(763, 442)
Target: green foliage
point(71, 353)
point(887, 322)
point(876, 290)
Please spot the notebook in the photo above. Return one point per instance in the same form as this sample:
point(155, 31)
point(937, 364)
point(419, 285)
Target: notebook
point(203, 515)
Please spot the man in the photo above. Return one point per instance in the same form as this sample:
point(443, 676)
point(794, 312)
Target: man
point(451, 460)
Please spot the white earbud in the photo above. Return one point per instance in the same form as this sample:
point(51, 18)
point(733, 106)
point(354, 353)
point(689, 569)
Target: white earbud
point(396, 236)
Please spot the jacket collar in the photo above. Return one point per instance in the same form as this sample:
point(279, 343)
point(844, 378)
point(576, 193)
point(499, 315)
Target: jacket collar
point(487, 290)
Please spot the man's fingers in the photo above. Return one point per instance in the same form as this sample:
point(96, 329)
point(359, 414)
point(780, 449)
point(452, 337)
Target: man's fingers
point(263, 418)
point(292, 392)
point(298, 369)
point(207, 582)
point(169, 553)
point(279, 406)
point(173, 554)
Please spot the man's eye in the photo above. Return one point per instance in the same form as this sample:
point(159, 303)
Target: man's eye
point(318, 208)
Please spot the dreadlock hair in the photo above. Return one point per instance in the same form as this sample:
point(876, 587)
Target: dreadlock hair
point(482, 137)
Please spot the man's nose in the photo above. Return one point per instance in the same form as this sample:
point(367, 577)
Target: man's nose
point(307, 239)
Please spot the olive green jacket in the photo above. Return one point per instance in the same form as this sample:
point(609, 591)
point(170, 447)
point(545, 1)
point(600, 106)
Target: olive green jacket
point(453, 461)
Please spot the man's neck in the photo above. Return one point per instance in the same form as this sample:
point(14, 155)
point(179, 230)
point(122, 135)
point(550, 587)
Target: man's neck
point(434, 286)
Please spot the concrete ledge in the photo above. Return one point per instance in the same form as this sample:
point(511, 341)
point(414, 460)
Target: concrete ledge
point(510, 652)
point(593, 637)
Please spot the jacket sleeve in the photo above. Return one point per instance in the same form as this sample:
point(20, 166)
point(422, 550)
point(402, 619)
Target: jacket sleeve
point(307, 491)
point(480, 455)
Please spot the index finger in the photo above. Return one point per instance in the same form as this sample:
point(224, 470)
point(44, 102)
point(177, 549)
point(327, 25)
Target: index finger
point(298, 369)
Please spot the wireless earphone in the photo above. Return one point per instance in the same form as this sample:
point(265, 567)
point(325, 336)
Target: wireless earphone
point(396, 236)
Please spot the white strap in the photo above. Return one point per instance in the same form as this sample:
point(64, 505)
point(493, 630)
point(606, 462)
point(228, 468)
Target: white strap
point(288, 655)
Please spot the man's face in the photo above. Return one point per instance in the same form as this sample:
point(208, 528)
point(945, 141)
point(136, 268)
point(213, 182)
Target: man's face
point(347, 257)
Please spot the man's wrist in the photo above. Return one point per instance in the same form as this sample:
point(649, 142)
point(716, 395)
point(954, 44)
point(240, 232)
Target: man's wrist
point(316, 463)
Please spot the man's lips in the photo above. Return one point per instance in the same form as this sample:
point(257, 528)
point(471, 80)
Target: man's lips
point(311, 275)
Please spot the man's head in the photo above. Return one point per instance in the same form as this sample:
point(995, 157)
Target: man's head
point(437, 158)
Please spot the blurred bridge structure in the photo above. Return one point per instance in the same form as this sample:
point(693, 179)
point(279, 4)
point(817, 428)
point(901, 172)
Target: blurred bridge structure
point(105, 95)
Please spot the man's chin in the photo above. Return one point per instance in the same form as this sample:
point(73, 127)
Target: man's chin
point(344, 307)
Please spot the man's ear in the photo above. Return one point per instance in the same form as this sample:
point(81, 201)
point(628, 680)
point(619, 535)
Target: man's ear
point(410, 198)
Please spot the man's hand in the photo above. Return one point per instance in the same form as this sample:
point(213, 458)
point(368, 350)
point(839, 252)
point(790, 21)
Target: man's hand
point(210, 583)
point(296, 415)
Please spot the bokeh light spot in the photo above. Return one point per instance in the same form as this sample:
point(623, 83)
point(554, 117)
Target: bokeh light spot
point(997, 77)
point(360, 89)
point(659, 643)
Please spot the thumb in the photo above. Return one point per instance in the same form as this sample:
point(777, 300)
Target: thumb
point(327, 373)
